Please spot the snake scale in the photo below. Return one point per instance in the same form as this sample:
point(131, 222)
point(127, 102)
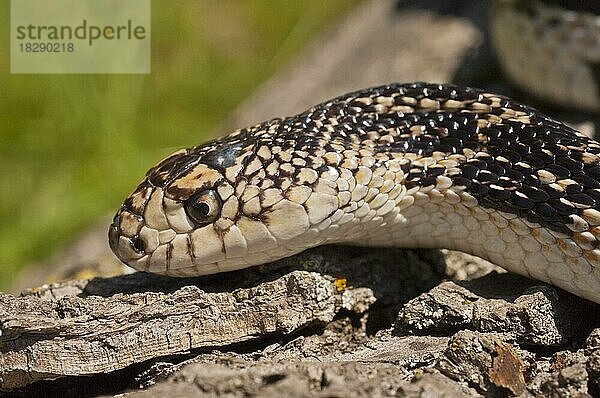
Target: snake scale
point(406, 165)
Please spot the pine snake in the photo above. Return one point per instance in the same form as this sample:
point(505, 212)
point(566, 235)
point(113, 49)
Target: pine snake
point(551, 48)
point(407, 165)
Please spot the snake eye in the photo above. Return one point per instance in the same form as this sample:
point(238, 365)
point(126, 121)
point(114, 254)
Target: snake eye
point(203, 207)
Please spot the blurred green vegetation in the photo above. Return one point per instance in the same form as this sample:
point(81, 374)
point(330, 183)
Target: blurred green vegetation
point(73, 146)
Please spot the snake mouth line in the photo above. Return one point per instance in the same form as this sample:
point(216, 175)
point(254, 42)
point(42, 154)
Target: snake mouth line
point(113, 235)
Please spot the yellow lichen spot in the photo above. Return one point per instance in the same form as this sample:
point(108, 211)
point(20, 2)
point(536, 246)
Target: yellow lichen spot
point(340, 284)
point(240, 295)
point(454, 346)
point(419, 373)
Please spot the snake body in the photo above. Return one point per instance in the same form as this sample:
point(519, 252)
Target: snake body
point(551, 48)
point(407, 165)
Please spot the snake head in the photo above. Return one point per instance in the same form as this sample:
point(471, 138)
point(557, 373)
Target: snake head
point(213, 208)
point(173, 222)
point(152, 229)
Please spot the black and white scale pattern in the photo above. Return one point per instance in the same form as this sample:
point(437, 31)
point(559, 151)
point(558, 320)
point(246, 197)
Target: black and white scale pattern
point(354, 168)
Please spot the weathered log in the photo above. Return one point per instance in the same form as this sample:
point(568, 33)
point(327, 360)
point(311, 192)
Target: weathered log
point(302, 319)
point(103, 325)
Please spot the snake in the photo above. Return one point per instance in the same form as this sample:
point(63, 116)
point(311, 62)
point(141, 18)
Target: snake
point(551, 49)
point(415, 165)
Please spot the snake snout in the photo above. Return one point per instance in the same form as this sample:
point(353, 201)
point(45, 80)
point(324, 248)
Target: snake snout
point(125, 246)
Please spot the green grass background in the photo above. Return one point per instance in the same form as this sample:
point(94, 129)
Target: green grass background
point(73, 146)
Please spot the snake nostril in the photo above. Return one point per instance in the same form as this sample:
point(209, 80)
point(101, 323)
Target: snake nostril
point(138, 244)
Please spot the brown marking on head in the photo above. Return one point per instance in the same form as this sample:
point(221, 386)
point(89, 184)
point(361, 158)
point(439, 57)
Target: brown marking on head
point(190, 246)
point(172, 167)
point(136, 202)
point(198, 178)
point(169, 255)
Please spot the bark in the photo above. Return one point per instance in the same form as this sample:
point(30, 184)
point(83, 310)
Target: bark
point(103, 325)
